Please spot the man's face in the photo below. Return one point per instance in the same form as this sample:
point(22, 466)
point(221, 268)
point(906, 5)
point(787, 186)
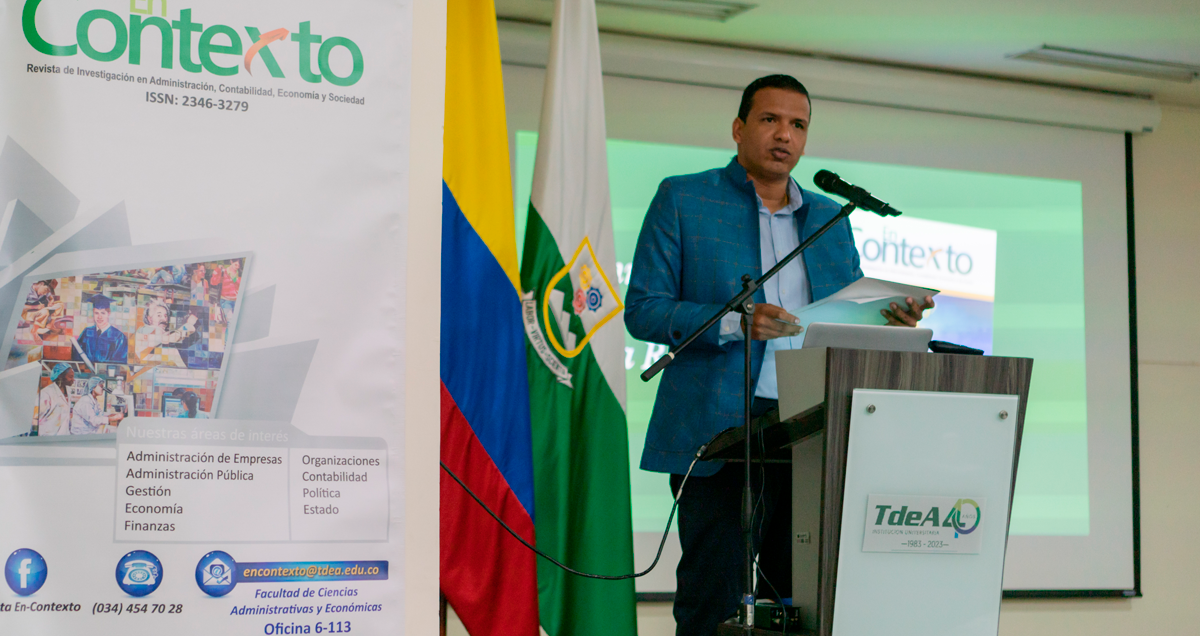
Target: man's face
point(40, 289)
point(158, 315)
point(101, 317)
point(772, 138)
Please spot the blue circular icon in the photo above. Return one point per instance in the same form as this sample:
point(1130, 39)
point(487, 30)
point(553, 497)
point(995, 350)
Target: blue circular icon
point(25, 571)
point(594, 299)
point(139, 573)
point(214, 573)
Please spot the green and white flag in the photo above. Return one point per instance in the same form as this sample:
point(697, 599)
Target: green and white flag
point(577, 346)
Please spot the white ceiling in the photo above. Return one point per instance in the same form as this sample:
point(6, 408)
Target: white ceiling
point(966, 36)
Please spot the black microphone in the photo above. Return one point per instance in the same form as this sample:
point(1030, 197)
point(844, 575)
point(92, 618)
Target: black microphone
point(833, 184)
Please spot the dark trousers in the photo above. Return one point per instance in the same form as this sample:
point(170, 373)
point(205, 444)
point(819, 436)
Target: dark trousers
point(710, 579)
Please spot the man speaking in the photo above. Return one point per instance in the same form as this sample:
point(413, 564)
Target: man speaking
point(701, 234)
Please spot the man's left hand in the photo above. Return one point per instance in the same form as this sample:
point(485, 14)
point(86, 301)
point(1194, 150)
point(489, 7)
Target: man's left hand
point(907, 317)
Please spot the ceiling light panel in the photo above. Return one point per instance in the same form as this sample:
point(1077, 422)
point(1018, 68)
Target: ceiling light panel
point(1125, 65)
point(718, 10)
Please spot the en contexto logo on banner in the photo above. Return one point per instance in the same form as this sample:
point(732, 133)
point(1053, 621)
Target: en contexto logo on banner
point(941, 525)
point(211, 40)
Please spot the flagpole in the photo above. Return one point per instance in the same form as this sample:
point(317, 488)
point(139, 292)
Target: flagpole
point(748, 496)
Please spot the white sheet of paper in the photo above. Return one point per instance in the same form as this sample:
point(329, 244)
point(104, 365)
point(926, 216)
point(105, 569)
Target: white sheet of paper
point(860, 302)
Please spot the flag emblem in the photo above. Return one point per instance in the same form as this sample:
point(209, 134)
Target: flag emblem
point(595, 300)
point(587, 297)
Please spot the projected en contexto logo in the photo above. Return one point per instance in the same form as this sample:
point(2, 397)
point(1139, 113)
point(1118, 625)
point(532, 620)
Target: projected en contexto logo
point(139, 573)
point(214, 573)
point(954, 258)
point(25, 571)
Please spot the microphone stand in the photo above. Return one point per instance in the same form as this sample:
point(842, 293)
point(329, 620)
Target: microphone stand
point(743, 303)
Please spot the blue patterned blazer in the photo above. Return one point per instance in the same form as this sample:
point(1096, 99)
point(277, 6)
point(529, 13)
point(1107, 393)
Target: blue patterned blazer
point(699, 237)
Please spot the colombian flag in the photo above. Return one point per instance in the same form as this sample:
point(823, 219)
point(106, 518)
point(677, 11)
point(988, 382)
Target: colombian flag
point(487, 576)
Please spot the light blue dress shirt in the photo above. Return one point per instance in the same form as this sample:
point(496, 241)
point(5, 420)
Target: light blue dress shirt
point(779, 234)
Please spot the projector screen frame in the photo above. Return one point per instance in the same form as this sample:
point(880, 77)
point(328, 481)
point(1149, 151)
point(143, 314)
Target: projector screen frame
point(1136, 592)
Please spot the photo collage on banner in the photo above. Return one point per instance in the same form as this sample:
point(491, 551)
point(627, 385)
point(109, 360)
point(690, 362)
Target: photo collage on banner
point(148, 342)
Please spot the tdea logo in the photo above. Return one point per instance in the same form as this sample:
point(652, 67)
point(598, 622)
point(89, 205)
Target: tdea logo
point(219, 49)
point(906, 523)
point(963, 517)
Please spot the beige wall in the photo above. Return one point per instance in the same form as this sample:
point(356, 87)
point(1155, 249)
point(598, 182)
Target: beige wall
point(1167, 191)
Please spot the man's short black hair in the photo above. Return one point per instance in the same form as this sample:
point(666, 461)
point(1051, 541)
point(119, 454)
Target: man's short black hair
point(786, 82)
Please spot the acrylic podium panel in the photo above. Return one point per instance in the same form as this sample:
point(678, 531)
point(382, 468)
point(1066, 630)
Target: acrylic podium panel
point(815, 394)
point(910, 445)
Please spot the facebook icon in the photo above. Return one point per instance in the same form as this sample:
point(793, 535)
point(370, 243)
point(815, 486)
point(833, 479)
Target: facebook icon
point(25, 571)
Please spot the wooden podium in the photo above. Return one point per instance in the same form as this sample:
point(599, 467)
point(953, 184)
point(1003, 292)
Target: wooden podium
point(960, 409)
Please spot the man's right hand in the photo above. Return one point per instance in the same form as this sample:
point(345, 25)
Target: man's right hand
point(771, 321)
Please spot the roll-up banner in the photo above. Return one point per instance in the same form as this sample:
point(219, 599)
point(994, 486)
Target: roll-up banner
point(202, 221)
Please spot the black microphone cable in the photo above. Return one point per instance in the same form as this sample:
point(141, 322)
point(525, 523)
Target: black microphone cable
point(606, 577)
